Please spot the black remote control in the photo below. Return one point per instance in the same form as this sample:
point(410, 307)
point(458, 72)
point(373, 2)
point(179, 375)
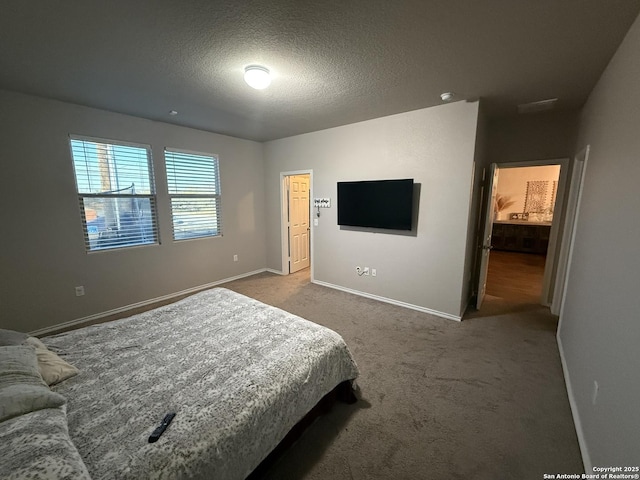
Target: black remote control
point(161, 428)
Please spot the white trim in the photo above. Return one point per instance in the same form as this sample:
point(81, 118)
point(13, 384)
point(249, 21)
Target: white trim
point(448, 316)
point(534, 163)
point(277, 272)
point(582, 441)
point(568, 239)
point(189, 152)
point(284, 225)
point(144, 303)
point(553, 250)
point(124, 143)
point(566, 258)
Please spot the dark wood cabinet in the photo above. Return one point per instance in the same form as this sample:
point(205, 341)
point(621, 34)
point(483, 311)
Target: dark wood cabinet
point(520, 237)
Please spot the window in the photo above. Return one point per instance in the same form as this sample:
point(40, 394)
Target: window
point(116, 193)
point(194, 188)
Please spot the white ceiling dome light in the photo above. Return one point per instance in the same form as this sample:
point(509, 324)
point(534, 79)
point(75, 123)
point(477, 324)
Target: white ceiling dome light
point(257, 77)
point(447, 96)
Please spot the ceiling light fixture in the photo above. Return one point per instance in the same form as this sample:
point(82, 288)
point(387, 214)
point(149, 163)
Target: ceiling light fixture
point(172, 112)
point(446, 96)
point(257, 77)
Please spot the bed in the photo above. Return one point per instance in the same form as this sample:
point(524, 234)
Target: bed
point(239, 375)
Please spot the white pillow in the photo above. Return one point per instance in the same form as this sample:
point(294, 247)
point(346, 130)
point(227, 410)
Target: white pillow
point(22, 389)
point(52, 368)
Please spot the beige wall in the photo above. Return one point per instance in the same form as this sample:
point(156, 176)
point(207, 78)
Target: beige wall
point(41, 245)
point(512, 183)
point(599, 325)
point(435, 147)
point(537, 136)
point(43, 256)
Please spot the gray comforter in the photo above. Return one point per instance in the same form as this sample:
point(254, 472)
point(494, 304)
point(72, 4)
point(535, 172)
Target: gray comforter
point(238, 373)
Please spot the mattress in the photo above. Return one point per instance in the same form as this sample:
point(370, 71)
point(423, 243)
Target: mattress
point(239, 375)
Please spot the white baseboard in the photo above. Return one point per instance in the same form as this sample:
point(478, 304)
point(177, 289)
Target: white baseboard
point(277, 272)
point(144, 303)
point(448, 316)
point(582, 442)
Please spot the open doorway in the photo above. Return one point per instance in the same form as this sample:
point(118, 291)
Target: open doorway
point(523, 220)
point(524, 211)
point(296, 227)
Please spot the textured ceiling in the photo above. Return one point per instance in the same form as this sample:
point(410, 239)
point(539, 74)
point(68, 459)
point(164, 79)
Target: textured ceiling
point(334, 62)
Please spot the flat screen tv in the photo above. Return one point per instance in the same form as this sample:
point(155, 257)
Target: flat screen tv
point(376, 204)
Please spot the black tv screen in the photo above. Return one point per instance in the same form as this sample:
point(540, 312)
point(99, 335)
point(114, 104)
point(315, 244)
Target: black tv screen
point(376, 204)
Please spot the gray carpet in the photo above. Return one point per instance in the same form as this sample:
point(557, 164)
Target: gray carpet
point(480, 399)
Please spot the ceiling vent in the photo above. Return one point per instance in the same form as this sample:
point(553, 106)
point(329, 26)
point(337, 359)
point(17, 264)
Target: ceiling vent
point(539, 106)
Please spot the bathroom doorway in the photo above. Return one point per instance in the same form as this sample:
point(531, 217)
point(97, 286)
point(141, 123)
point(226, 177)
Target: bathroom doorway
point(523, 222)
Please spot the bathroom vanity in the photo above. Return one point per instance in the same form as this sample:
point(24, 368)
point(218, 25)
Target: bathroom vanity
point(521, 236)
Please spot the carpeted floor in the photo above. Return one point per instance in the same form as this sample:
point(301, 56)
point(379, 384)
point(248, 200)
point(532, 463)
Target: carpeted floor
point(479, 399)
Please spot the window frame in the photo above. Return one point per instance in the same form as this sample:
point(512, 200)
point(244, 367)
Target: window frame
point(217, 196)
point(152, 196)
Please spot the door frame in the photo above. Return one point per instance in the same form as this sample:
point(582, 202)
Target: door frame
point(489, 187)
point(569, 233)
point(284, 214)
point(558, 218)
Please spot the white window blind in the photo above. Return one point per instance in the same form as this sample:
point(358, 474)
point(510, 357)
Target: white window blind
point(116, 193)
point(194, 188)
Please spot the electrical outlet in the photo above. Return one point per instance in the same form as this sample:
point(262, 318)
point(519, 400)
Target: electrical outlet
point(235, 258)
point(374, 273)
point(79, 291)
point(366, 270)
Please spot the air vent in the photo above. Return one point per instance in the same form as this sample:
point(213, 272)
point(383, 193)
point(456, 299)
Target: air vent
point(539, 106)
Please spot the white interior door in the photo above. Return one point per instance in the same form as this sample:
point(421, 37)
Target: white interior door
point(298, 222)
point(486, 236)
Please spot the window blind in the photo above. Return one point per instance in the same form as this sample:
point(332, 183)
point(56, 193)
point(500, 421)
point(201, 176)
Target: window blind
point(193, 181)
point(116, 193)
